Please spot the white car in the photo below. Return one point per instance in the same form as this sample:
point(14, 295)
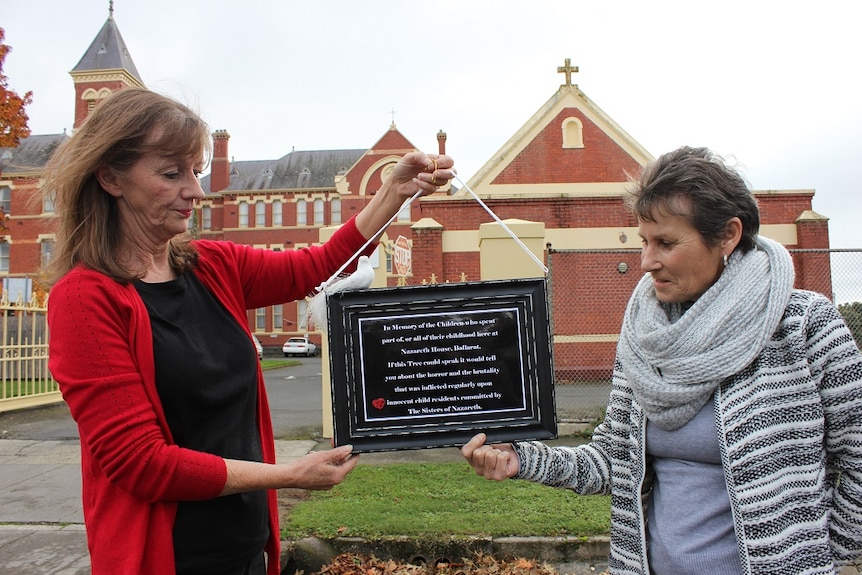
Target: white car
point(257, 346)
point(299, 346)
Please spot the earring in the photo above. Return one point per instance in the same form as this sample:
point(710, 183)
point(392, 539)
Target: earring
point(725, 259)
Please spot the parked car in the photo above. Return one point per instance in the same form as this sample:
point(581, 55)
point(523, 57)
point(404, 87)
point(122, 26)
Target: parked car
point(299, 346)
point(257, 346)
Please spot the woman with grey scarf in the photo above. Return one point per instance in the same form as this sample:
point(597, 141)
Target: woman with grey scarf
point(732, 442)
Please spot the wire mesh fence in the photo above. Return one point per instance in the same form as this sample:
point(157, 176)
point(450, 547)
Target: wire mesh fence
point(588, 291)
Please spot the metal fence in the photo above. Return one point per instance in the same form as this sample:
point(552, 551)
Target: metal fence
point(24, 377)
point(588, 290)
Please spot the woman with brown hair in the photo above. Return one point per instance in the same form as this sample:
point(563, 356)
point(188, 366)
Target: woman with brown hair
point(151, 347)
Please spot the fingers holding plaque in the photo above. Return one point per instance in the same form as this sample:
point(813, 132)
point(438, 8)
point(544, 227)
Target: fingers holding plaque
point(430, 366)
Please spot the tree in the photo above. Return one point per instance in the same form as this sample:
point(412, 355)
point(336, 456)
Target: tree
point(13, 116)
point(852, 314)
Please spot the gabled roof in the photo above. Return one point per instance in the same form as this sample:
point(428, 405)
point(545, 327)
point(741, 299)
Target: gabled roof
point(296, 170)
point(535, 162)
point(108, 52)
point(30, 156)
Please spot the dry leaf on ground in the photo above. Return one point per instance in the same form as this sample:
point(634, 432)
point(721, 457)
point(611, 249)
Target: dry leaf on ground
point(353, 564)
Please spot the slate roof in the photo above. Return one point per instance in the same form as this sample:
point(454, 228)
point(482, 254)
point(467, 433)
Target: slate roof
point(30, 156)
point(296, 170)
point(108, 52)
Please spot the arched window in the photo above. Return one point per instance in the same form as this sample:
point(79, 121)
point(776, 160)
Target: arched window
point(278, 317)
point(276, 213)
point(318, 212)
point(301, 312)
point(573, 133)
point(6, 200)
point(243, 215)
point(4, 257)
point(93, 98)
point(335, 210)
point(46, 249)
point(301, 213)
point(206, 217)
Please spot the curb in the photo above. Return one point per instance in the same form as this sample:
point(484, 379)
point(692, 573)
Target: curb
point(312, 553)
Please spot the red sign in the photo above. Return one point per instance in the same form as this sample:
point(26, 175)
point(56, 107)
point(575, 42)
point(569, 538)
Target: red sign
point(402, 256)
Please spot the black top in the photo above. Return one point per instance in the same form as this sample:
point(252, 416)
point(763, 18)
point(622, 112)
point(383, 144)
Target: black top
point(206, 376)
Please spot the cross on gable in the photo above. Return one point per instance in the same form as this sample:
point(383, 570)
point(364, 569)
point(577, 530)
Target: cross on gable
point(568, 70)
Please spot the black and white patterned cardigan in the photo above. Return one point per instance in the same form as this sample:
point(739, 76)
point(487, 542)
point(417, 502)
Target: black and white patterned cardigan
point(790, 432)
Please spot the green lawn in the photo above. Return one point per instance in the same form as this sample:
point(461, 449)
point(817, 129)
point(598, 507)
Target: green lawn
point(443, 499)
point(266, 363)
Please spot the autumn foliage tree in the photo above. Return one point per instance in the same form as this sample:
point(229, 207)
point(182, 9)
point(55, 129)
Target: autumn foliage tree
point(13, 116)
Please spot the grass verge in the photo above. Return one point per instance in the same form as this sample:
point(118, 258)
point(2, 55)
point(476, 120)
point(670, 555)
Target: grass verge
point(266, 364)
point(442, 499)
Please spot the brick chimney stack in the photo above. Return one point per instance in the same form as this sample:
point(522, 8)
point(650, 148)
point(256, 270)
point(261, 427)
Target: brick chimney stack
point(441, 143)
point(220, 173)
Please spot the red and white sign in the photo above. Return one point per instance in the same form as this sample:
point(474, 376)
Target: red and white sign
point(401, 257)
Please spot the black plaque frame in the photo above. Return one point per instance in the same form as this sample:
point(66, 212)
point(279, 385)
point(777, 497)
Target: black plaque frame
point(430, 366)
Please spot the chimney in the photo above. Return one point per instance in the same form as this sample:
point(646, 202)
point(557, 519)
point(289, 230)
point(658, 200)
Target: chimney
point(441, 143)
point(220, 173)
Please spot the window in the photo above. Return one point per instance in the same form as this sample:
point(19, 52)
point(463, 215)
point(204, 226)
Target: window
point(243, 215)
point(303, 178)
point(207, 217)
point(259, 214)
point(335, 209)
point(260, 319)
point(6, 199)
point(48, 204)
point(573, 133)
point(276, 213)
point(47, 249)
point(4, 256)
point(278, 317)
point(301, 213)
point(318, 212)
point(301, 311)
point(404, 214)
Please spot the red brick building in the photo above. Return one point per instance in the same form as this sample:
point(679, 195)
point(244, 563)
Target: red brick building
point(565, 169)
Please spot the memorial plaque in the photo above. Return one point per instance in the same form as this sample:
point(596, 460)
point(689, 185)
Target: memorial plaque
point(431, 366)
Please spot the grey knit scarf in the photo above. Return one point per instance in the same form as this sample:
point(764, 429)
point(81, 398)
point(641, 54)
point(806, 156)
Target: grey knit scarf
point(674, 361)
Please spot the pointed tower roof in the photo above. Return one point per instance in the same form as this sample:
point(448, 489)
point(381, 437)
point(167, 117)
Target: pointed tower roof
point(108, 51)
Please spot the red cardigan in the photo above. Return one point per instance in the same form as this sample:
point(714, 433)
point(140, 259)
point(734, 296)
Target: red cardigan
point(101, 354)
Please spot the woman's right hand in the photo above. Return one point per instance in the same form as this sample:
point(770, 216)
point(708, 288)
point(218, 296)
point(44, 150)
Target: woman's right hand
point(318, 470)
point(497, 462)
point(322, 470)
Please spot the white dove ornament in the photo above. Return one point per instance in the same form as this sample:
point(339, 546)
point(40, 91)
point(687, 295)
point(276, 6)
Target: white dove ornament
point(358, 280)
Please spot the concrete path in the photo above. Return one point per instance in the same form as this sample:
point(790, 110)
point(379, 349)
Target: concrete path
point(41, 521)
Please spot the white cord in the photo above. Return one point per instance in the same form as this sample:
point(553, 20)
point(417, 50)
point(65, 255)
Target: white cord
point(406, 203)
point(371, 240)
point(505, 227)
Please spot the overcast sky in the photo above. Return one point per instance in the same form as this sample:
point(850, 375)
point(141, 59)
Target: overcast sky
point(773, 84)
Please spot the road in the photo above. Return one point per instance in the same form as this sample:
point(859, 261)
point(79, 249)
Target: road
point(294, 395)
point(295, 401)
